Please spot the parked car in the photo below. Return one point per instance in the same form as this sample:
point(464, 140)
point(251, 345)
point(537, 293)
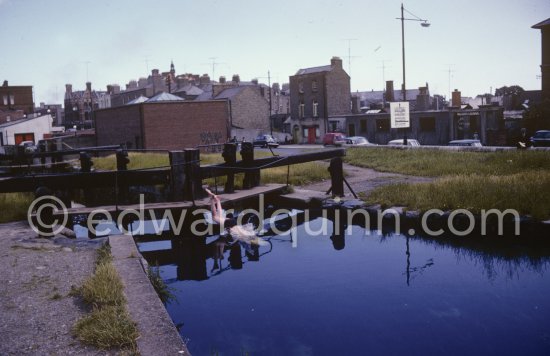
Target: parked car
point(399, 142)
point(541, 138)
point(334, 139)
point(358, 141)
point(30, 147)
point(266, 141)
point(464, 143)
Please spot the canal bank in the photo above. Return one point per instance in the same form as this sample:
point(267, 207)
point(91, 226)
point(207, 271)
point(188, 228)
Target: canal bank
point(37, 306)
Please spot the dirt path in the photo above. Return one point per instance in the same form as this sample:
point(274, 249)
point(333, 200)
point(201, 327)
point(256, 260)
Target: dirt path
point(36, 312)
point(365, 180)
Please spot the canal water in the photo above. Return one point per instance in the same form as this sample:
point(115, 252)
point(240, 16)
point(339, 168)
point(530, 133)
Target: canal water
point(367, 293)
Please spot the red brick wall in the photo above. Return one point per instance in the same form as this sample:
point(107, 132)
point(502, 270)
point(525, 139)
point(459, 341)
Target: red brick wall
point(22, 97)
point(180, 125)
point(172, 125)
point(118, 125)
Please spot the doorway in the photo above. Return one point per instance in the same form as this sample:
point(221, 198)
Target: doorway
point(311, 135)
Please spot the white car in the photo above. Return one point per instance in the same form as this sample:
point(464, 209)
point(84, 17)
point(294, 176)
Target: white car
point(358, 141)
point(399, 142)
point(29, 146)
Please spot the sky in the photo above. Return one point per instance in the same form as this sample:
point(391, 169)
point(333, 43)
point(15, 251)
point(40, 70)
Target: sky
point(474, 46)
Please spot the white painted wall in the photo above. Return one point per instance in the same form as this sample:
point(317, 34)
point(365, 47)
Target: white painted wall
point(39, 126)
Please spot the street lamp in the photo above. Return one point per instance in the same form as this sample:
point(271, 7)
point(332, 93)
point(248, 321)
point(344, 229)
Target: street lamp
point(423, 23)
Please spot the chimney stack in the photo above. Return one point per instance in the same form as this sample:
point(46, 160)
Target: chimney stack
point(89, 87)
point(69, 88)
point(355, 104)
point(390, 96)
point(204, 79)
point(336, 62)
point(456, 99)
point(236, 79)
point(255, 81)
point(222, 79)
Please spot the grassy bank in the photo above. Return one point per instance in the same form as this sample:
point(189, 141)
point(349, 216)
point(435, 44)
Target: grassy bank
point(299, 174)
point(517, 180)
point(438, 163)
point(108, 325)
point(14, 206)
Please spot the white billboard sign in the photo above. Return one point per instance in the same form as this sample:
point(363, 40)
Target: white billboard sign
point(400, 115)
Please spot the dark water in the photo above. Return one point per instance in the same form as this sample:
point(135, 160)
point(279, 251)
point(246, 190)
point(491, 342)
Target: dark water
point(371, 297)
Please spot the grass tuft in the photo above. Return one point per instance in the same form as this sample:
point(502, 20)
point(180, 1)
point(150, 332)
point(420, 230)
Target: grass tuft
point(163, 291)
point(104, 287)
point(107, 327)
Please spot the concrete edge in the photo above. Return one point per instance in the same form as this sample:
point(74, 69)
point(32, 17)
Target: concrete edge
point(158, 335)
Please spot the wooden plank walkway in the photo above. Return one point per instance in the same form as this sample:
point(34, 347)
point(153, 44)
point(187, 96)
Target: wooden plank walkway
point(200, 203)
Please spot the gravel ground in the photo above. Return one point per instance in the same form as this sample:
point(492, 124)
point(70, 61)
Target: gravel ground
point(36, 312)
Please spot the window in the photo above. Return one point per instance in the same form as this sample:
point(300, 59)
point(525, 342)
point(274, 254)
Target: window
point(314, 86)
point(427, 124)
point(301, 109)
point(5, 100)
point(301, 87)
point(315, 106)
point(12, 100)
point(382, 125)
point(363, 126)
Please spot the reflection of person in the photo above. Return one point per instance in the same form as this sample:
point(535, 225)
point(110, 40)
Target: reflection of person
point(243, 233)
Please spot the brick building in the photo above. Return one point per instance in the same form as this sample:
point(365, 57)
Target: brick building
point(14, 98)
point(544, 28)
point(435, 127)
point(164, 125)
point(79, 105)
point(248, 102)
point(319, 100)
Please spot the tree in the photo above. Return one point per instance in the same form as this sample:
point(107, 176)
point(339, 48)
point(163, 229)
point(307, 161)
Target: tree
point(511, 96)
point(511, 90)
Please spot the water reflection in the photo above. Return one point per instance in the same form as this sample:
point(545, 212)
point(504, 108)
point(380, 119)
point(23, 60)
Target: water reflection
point(353, 290)
point(199, 258)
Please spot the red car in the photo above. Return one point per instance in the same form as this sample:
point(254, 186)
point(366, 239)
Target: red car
point(334, 139)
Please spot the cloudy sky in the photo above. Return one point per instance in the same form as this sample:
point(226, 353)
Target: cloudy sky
point(471, 45)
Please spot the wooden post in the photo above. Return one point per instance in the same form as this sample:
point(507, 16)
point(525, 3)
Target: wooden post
point(85, 162)
point(122, 161)
point(193, 179)
point(251, 177)
point(177, 175)
point(336, 170)
point(86, 167)
point(230, 156)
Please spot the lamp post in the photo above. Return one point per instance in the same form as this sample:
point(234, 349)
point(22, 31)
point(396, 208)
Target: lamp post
point(423, 23)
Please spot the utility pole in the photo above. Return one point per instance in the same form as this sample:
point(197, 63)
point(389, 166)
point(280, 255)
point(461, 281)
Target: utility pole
point(270, 100)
